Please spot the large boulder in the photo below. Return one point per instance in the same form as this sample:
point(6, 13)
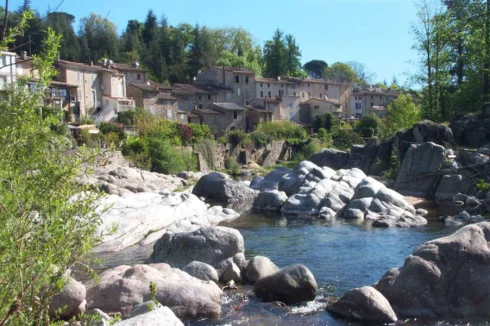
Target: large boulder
point(201, 271)
point(138, 216)
point(363, 157)
point(446, 276)
point(159, 316)
point(290, 285)
point(331, 158)
point(269, 201)
point(365, 304)
point(259, 267)
point(271, 180)
point(219, 187)
point(471, 130)
point(417, 176)
point(208, 245)
point(125, 286)
point(70, 302)
point(305, 174)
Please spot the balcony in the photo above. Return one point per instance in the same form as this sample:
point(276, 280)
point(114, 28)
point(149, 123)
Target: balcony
point(125, 105)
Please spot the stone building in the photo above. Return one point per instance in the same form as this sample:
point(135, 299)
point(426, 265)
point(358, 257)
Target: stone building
point(363, 100)
point(222, 117)
point(274, 88)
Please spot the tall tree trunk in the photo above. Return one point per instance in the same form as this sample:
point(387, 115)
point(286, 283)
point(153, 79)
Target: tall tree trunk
point(6, 19)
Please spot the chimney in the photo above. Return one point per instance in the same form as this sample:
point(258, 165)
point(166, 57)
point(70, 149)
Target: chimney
point(91, 62)
point(23, 55)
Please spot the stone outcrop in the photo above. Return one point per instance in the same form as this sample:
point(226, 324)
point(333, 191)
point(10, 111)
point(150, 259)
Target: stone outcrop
point(471, 130)
point(331, 158)
point(201, 271)
point(269, 201)
point(290, 285)
point(219, 187)
point(417, 175)
point(259, 267)
point(365, 304)
point(70, 302)
point(209, 245)
point(446, 276)
point(138, 216)
point(271, 180)
point(127, 286)
point(158, 316)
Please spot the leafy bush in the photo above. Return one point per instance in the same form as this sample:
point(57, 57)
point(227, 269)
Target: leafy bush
point(136, 149)
point(112, 138)
point(307, 149)
point(106, 128)
point(199, 131)
point(185, 133)
point(344, 139)
point(237, 136)
point(367, 132)
point(482, 185)
point(369, 121)
point(323, 135)
point(86, 121)
point(327, 121)
point(282, 130)
point(88, 139)
point(259, 139)
point(232, 166)
point(167, 159)
point(127, 118)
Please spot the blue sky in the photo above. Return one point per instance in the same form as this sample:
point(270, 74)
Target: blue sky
point(373, 32)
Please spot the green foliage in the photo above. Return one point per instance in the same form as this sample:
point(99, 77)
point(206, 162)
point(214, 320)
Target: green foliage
point(316, 69)
point(340, 72)
point(282, 130)
point(482, 185)
point(307, 149)
point(392, 172)
point(127, 118)
point(367, 132)
point(260, 139)
point(282, 56)
point(199, 131)
point(326, 121)
point(47, 226)
point(166, 159)
point(367, 122)
point(86, 121)
point(236, 137)
point(87, 139)
point(232, 166)
point(344, 139)
point(402, 114)
point(207, 148)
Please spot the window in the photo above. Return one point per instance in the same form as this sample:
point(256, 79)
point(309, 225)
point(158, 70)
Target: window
point(169, 114)
point(294, 94)
point(308, 84)
point(200, 106)
point(303, 94)
point(271, 106)
point(199, 97)
point(358, 106)
point(246, 79)
point(261, 94)
point(270, 95)
point(326, 86)
point(235, 115)
point(372, 104)
point(209, 97)
point(372, 97)
point(268, 85)
point(261, 85)
point(321, 95)
point(237, 79)
point(317, 107)
point(309, 94)
point(282, 85)
point(138, 76)
point(381, 97)
point(182, 116)
point(281, 92)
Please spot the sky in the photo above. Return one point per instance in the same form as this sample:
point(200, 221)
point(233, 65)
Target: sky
point(373, 32)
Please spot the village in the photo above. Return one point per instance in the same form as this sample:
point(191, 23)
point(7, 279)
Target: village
point(225, 98)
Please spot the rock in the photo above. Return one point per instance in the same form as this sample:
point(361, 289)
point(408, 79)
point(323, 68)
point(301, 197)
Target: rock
point(451, 185)
point(209, 245)
point(126, 286)
point(290, 285)
point(305, 174)
point(452, 222)
point(138, 216)
point(269, 201)
point(331, 158)
point(421, 212)
point(365, 304)
point(362, 157)
point(259, 267)
point(160, 316)
point(145, 307)
point(120, 179)
point(241, 262)
point(255, 181)
point(417, 173)
point(70, 302)
point(272, 179)
point(217, 186)
point(231, 272)
point(201, 271)
point(446, 276)
point(352, 213)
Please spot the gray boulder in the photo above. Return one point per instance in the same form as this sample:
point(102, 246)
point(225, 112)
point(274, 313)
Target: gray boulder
point(365, 304)
point(231, 272)
point(255, 181)
point(160, 316)
point(269, 201)
point(70, 302)
point(125, 286)
point(259, 267)
point(446, 276)
point(290, 285)
point(305, 174)
point(209, 245)
point(417, 173)
point(241, 262)
point(201, 271)
point(271, 180)
point(331, 158)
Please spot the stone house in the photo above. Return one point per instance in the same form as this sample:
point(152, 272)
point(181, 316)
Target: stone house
point(289, 109)
point(190, 97)
point(221, 117)
point(362, 100)
point(157, 99)
point(261, 110)
point(133, 73)
point(241, 81)
point(320, 107)
point(100, 91)
point(274, 88)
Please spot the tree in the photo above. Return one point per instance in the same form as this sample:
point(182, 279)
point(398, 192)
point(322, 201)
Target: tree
point(48, 226)
point(363, 76)
point(98, 38)
point(315, 68)
point(202, 51)
point(402, 114)
point(150, 27)
point(275, 56)
point(341, 72)
point(62, 23)
point(293, 55)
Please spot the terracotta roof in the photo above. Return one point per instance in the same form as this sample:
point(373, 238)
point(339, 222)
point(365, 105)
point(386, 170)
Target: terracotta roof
point(144, 87)
point(188, 89)
point(165, 96)
point(213, 88)
point(229, 106)
point(258, 109)
point(234, 69)
point(84, 66)
point(126, 67)
point(159, 85)
point(205, 111)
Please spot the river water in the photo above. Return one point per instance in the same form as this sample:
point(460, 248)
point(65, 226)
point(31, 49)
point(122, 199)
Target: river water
point(341, 255)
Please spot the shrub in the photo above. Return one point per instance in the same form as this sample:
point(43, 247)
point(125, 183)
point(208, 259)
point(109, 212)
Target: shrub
point(232, 166)
point(369, 121)
point(106, 128)
point(199, 131)
point(185, 133)
point(327, 121)
point(86, 121)
point(344, 139)
point(127, 118)
point(367, 132)
point(306, 150)
point(236, 137)
point(111, 138)
point(136, 149)
point(167, 159)
point(88, 139)
point(259, 139)
point(482, 185)
point(282, 130)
